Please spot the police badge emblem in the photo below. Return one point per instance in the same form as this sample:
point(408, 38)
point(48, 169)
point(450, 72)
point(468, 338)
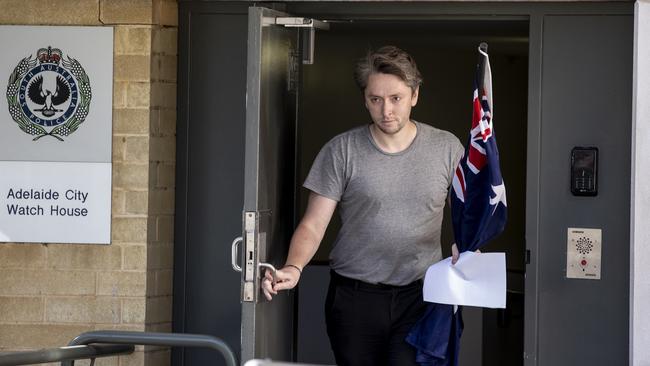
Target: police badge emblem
point(49, 95)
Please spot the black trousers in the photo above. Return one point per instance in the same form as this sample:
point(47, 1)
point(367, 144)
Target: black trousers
point(367, 323)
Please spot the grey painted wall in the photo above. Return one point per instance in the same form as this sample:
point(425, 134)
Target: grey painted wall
point(586, 101)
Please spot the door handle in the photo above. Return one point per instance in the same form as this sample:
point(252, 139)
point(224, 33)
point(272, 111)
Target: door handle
point(233, 253)
point(270, 268)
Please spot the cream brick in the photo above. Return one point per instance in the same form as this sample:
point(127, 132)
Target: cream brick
point(119, 205)
point(135, 359)
point(121, 283)
point(22, 256)
point(163, 149)
point(159, 357)
point(129, 327)
point(76, 12)
point(153, 174)
point(52, 282)
point(165, 41)
point(159, 309)
point(155, 67)
point(159, 327)
point(137, 202)
point(137, 149)
point(133, 40)
point(87, 309)
point(167, 126)
point(161, 201)
point(169, 95)
point(119, 143)
point(165, 228)
point(160, 256)
point(152, 229)
point(77, 256)
point(135, 257)
point(166, 177)
point(130, 229)
point(138, 94)
point(104, 361)
point(131, 121)
point(134, 310)
point(120, 39)
point(126, 11)
point(13, 336)
point(163, 94)
point(168, 68)
point(132, 176)
point(165, 12)
point(132, 68)
point(119, 94)
point(154, 121)
point(164, 282)
point(21, 309)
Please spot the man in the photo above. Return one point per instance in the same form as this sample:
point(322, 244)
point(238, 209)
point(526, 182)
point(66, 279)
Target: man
point(390, 179)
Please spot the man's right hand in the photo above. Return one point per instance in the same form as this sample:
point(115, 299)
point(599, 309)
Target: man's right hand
point(285, 279)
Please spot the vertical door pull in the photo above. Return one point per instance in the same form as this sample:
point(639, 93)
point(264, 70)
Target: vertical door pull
point(233, 253)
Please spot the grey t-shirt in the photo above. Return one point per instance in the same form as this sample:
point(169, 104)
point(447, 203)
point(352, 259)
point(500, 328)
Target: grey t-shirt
point(391, 205)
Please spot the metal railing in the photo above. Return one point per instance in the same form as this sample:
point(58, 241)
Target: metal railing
point(106, 343)
point(69, 353)
point(154, 339)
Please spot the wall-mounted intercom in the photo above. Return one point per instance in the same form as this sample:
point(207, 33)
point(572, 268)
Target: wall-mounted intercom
point(584, 171)
point(583, 253)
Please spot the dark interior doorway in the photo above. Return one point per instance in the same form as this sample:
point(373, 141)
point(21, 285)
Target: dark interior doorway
point(445, 51)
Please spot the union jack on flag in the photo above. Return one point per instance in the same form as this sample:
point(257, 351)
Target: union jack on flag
point(478, 204)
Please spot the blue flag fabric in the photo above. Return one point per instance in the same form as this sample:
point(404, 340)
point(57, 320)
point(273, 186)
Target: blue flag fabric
point(437, 336)
point(479, 213)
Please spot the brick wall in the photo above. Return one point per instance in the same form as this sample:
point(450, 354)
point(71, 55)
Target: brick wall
point(50, 293)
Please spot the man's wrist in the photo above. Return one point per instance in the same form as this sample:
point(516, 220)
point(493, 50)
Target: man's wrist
point(294, 267)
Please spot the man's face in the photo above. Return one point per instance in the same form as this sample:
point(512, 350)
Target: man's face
point(389, 101)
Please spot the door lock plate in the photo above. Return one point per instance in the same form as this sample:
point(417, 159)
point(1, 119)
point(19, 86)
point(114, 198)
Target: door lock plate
point(250, 239)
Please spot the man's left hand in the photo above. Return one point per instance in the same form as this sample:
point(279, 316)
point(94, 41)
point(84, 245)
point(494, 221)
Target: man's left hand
point(455, 254)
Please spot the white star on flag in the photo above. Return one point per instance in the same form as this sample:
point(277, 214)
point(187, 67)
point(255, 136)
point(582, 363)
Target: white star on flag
point(500, 196)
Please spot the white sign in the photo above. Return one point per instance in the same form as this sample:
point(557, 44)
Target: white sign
point(55, 202)
point(56, 134)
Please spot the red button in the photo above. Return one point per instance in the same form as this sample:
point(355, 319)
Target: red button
point(583, 262)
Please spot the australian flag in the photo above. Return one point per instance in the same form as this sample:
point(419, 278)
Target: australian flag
point(478, 209)
point(478, 201)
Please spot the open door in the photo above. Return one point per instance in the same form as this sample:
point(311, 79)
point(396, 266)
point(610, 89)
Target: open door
point(274, 61)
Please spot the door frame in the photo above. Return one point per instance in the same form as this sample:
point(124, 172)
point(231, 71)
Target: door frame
point(639, 209)
point(535, 13)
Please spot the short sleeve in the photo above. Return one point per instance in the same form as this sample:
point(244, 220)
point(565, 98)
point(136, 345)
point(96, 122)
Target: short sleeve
point(327, 174)
point(456, 154)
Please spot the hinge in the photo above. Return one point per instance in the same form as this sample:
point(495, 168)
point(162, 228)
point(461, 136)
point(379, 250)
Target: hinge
point(527, 256)
point(294, 71)
point(300, 22)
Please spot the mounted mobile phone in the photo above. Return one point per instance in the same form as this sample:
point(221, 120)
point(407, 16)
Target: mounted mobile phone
point(584, 171)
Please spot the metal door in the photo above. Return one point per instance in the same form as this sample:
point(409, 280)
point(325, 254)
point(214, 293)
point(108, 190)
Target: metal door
point(274, 61)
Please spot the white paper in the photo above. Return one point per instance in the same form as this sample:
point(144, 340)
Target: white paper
point(477, 279)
